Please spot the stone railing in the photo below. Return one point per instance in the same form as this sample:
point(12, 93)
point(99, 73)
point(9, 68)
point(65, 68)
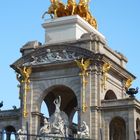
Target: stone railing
point(124, 103)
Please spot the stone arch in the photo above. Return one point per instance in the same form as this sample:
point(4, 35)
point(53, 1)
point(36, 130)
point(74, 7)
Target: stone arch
point(9, 130)
point(73, 83)
point(110, 95)
point(117, 129)
point(69, 100)
point(41, 90)
point(138, 128)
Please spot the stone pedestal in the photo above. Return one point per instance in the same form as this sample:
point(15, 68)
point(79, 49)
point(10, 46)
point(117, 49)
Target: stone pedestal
point(66, 29)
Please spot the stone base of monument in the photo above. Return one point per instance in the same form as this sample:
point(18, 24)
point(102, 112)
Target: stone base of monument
point(66, 29)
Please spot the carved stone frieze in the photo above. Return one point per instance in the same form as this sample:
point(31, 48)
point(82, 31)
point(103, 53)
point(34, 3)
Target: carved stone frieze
point(54, 55)
point(51, 57)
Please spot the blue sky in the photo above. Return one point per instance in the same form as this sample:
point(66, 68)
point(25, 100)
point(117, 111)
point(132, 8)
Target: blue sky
point(20, 22)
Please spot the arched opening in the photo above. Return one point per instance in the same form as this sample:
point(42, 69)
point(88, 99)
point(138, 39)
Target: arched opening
point(75, 118)
point(110, 95)
point(117, 129)
point(138, 129)
point(75, 123)
point(68, 103)
point(9, 133)
point(44, 110)
point(68, 99)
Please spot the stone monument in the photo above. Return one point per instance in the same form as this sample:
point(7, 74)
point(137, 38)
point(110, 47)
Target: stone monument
point(73, 71)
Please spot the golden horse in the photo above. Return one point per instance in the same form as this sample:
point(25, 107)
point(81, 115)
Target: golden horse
point(71, 7)
point(83, 11)
point(57, 9)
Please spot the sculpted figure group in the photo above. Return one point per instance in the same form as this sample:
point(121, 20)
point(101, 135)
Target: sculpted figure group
point(58, 9)
point(57, 126)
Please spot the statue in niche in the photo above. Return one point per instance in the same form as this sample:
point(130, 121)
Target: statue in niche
point(57, 125)
point(84, 131)
point(22, 134)
point(46, 128)
point(57, 103)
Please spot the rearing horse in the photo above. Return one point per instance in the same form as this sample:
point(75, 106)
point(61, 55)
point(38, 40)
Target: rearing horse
point(71, 7)
point(83, 11)
point(57, 8)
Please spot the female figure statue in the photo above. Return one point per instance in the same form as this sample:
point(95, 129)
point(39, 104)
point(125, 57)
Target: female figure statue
point(57, 103)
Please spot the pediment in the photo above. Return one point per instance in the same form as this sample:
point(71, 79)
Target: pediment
point(54, 55)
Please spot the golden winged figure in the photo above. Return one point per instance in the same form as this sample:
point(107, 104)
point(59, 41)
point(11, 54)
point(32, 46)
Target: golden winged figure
point(25, 74)
point(106, 67)
point(83, 65)
point(128, 83)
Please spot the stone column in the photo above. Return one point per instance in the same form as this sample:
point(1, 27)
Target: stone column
point(94, 103)
point(131, 122)
point(106, 129)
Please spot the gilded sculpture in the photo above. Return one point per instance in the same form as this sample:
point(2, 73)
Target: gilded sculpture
point(106, 67)
point(128, 83)
point(59, 9)
point(84, 66)
point(24, 77)
point(83, 11)
point(24, 74)
point(71, 7)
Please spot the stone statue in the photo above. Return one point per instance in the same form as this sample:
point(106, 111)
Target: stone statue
point(22, 134)
point(46, 128)
point(58, 127)
point(58, 57)
point(84, 131)
point(50, 56)
point(57, 103)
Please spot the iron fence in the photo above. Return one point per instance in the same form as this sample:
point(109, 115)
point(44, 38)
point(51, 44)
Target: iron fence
point(16, 136)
